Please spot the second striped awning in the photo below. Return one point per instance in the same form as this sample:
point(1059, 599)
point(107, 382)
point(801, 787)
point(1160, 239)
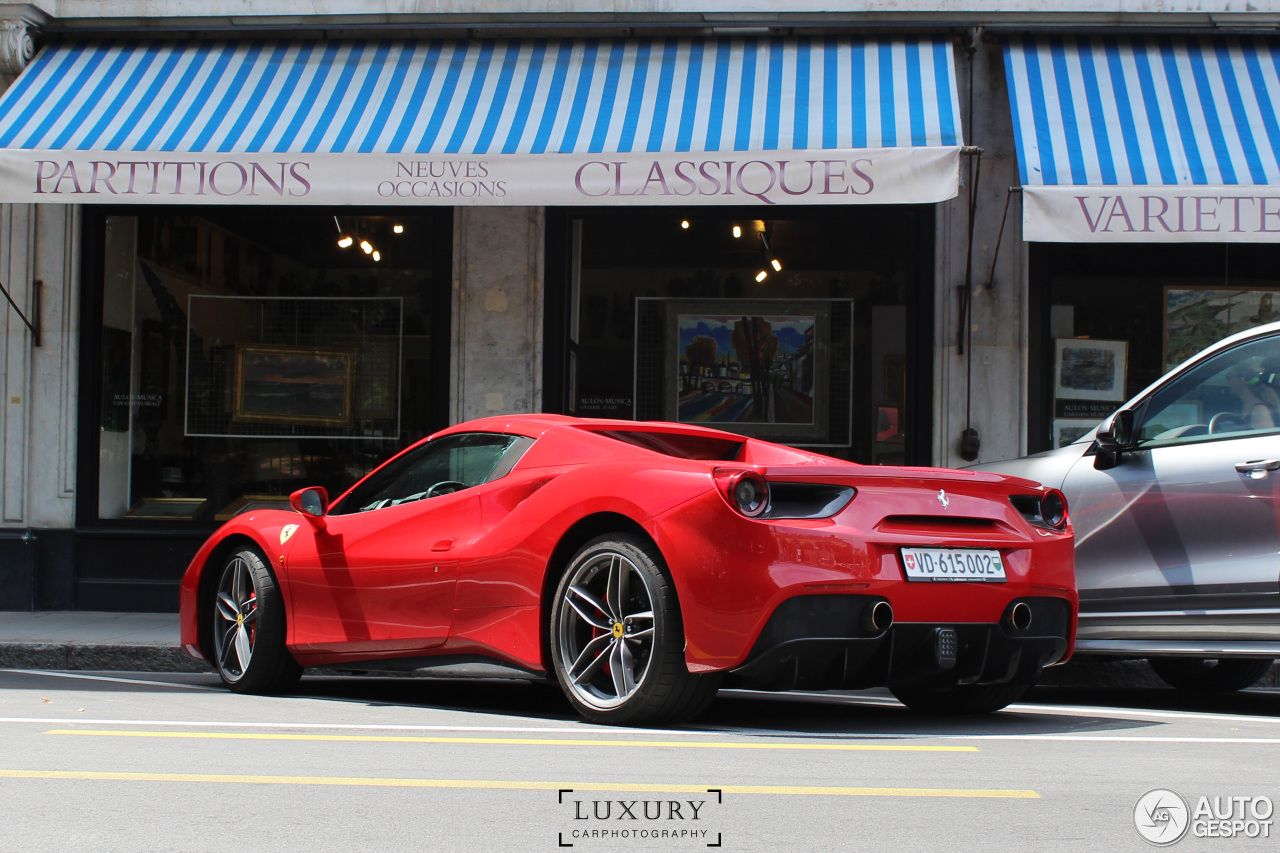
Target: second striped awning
point(1147, 139)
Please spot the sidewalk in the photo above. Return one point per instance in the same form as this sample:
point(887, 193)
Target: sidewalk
point(67, 639)
point(148, 642)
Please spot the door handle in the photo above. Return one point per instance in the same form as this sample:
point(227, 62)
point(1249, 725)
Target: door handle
point(446, 544)
point(1258, 468)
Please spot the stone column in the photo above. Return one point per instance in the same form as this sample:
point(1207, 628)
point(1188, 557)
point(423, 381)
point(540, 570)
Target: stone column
point(496, 342)
point(986, 386)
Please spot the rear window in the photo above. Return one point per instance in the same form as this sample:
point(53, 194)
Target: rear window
point(680, 445)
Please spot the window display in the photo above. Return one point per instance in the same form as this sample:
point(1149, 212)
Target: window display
point(248, 353)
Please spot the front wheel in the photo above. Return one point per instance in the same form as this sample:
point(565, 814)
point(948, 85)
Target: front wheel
point(249, 627)
point(961, 699)
point(1221, 675)
point(617, 639)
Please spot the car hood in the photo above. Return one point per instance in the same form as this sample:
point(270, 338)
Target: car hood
point(1049, 468)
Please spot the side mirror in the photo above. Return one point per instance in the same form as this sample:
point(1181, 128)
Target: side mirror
point(1115, 435)
point(312, 501)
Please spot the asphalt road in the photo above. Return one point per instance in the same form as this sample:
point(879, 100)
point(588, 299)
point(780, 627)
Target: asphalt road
point(112, 761)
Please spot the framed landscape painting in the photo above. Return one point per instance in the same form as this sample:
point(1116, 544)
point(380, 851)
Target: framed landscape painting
point(1089, 369)
point(293, 385)
point(756, 367)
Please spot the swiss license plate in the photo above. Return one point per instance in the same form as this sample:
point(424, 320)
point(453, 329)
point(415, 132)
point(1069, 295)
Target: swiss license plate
point(953, 564)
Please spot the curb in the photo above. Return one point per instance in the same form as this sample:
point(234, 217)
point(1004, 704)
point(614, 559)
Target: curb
point(93, 656)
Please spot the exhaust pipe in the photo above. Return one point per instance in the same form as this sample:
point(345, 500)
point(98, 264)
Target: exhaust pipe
point(1020, 616)
point(877, 618)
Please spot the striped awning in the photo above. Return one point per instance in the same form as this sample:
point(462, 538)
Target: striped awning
point(810, 120)
point(1147, 139)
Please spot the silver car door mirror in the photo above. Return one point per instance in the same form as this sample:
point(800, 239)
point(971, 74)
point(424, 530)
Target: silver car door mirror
point(1115, 435)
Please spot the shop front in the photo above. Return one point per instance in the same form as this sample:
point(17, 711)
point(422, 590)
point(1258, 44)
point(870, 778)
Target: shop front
point(1149, 169)
point(297, 257)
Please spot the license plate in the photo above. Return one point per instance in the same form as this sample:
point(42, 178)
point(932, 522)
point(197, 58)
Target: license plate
point(953, 564)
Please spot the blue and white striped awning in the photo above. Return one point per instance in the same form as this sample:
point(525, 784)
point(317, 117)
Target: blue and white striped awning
point(483, 98)
point(1195, 114)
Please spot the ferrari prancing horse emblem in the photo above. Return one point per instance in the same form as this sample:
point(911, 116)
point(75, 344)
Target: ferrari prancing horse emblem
point(286, 532)
point(943, 499)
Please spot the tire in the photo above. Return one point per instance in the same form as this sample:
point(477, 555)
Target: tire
point(1221, 675)
point(960, 700)
point(617, 639)
point(248, 627)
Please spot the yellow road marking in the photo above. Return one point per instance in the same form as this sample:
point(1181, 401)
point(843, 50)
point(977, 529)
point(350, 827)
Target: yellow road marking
point(520, 785)
point(856, 747)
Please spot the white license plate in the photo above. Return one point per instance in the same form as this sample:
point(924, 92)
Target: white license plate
point(953, 564)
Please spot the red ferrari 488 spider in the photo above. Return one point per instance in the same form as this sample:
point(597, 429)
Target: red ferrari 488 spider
point(643, 566)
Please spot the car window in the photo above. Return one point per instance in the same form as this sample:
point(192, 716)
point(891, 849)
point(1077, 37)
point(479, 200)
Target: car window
point(440, 467)
point(1234, 393)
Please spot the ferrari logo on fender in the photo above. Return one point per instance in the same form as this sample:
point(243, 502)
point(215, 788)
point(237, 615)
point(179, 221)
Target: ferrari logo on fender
point(943, 499)
point(286, 532)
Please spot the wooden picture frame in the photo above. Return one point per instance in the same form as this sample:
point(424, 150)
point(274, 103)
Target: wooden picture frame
point(1090, 369)
point(794, 347)
point(167, 509)
point(245, 503)
point(293, 385)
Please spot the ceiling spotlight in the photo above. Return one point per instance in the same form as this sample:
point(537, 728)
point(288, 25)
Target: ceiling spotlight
point(366, 246)
point(345, 240)
point(762, 275)
point(737, 231)
point(377, 256)
point(684, 223)
point(777, 265)
point(397, 228)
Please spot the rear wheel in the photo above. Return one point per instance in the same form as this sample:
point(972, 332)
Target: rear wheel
point(617, 639)
point(249, 627)
point(1210, 675)
point(961, 699)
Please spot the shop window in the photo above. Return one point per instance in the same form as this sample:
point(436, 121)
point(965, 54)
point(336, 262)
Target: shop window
point(249, 353)
point(1115, 318)
point(798, 328)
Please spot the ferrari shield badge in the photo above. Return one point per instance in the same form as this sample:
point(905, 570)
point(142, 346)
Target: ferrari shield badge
point(286, 532)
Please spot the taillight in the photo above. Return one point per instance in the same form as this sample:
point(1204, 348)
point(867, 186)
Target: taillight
point(747, 492)
point(1047, 510)
point(1053, 509)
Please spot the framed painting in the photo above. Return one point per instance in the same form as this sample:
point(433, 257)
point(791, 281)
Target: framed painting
point(293, 385)
point(1195, 317)
point(755, 367)
point(1089, 369)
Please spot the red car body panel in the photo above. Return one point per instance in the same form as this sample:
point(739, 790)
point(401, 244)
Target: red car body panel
point(467, 573)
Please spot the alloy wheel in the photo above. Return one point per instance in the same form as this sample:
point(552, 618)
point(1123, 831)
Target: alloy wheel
point(235, 627)
point(606, 629)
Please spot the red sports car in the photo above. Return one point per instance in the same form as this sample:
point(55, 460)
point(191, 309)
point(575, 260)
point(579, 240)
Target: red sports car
point(643, 566)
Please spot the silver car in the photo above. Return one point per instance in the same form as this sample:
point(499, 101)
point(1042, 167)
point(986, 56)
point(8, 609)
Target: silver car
point(1176, 507)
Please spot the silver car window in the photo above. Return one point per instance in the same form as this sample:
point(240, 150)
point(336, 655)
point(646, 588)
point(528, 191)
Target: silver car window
point(1233, 393)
